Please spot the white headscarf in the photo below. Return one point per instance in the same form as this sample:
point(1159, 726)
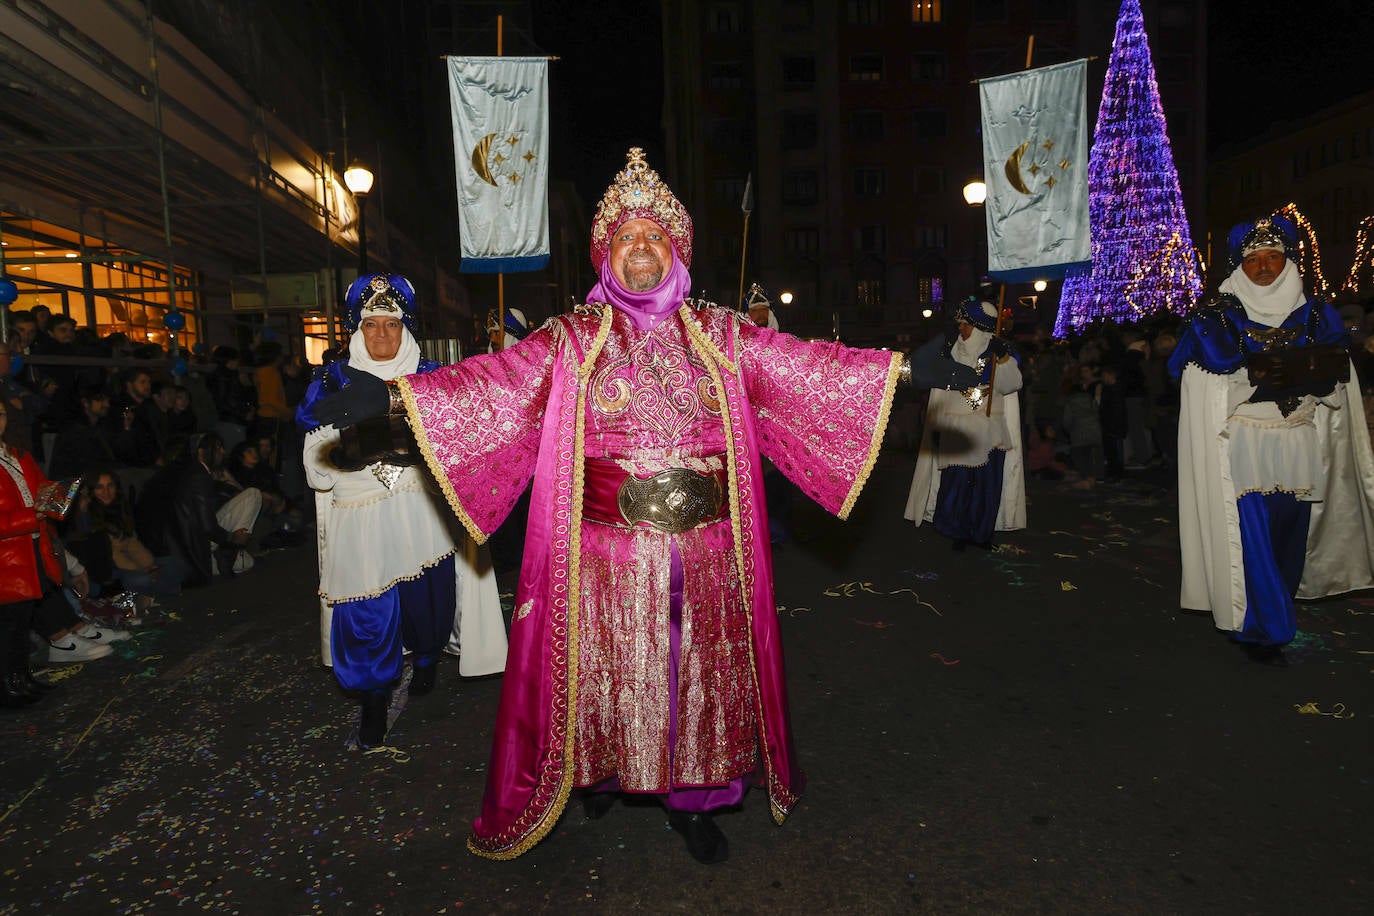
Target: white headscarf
point(1271, 304)
point(405, 362)
point(968, 351)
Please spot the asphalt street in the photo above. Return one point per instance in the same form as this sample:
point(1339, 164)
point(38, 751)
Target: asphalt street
point(1038, 729)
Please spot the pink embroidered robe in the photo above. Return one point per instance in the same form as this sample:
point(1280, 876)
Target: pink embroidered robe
point(585, 695)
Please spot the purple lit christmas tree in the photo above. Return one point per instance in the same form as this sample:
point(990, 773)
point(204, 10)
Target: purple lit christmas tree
point(1143, 259)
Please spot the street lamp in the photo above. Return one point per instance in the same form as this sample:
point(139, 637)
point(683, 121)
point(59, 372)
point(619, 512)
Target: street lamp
point(358, 179)
point(1041, 286)
point(975, 193)
point(785, 298)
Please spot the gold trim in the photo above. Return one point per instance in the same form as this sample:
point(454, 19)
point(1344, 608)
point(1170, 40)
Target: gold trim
point(879, 431)
point(549, 819)
point(424, 568)
point(436, 468)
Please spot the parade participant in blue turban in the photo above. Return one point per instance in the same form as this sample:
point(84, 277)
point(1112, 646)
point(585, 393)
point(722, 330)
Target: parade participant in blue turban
point(970, 479)
point(1276, 480)
point(392, 561)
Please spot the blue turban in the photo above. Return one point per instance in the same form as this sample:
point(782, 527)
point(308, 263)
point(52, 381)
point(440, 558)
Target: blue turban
point(1277, 232)
point(380, 294)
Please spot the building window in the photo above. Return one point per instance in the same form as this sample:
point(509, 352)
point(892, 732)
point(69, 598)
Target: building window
point(928, 124)
point(798, 72)
point(868, 182)
point(989, 10)
point(928, 67)
point(930, 290)
point(803, 242)
point(931, 236)
point(930, 180)
point(869, 292)
point(925, 11)
point(866, 125)
point(798, 129)
point(800, 187)
point(724, 17)
point(728, 189)
point(864, 12)
point(866, 68)
point(872, 239)
point(726, 75)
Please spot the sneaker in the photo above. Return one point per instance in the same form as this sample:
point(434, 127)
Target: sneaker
point(73, 648)
point(102, 635)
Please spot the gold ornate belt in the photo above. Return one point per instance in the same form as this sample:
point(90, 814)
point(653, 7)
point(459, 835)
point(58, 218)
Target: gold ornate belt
point(671, 501)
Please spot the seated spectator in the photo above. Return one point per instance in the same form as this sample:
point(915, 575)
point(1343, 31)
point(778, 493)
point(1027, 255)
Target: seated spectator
point(188, 516)
point(30, 588)
point(81, 444)
point(103, 525)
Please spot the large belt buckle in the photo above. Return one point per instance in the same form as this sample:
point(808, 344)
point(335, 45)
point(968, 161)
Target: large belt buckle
point(673, 501)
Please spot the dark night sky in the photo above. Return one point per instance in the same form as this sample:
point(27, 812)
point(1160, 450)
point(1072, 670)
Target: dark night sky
point(1278, 61)
point(1271, 62)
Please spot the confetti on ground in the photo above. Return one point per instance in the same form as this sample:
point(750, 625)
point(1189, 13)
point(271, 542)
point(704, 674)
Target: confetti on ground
point(1312, 709)
point(1067, 586)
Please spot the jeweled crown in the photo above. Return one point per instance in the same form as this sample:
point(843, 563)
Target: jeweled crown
point(638, 193)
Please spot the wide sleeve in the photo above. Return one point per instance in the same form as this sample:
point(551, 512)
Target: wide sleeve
point(820, 410)
point(478, 424)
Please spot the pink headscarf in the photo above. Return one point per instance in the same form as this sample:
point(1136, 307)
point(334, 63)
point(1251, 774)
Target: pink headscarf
point(649, 308)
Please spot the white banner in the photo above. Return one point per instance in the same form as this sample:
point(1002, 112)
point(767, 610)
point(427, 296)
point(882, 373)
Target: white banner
point(501, 153)
point(1035, 159)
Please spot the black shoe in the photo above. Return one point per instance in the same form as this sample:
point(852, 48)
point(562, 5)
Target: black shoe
point(1266, 655)
point(224, 560)
point(372, 729)
point(422, 678)
point(14, 692)
point(704, 840)
point(35, 686)
point(596, 804)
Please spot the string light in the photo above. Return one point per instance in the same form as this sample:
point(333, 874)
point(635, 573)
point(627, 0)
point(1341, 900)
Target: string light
point(1309, 252)
point(1143, 259)
point(1363, 265)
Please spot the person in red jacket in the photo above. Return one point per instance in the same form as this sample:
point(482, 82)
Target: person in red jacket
point(30, 567)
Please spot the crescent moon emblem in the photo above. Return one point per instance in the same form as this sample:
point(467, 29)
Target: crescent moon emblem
point(1013, 169)
point(479, 159)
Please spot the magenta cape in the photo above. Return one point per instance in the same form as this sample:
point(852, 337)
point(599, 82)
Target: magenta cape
point(491, 423)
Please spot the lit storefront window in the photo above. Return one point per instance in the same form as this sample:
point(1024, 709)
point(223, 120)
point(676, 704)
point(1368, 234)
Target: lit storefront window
point(124, 293)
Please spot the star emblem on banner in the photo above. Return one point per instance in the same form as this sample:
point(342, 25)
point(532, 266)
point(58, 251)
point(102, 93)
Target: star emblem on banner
point(498, 160)
point(1041, 161)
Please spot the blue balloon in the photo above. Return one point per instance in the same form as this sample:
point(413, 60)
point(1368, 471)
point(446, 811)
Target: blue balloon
point(179, 366)
point(174, 321)
point(8, 291)
point(16, 363)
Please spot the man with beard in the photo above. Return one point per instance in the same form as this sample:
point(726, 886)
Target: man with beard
point(645, 655)
point(1276, 480)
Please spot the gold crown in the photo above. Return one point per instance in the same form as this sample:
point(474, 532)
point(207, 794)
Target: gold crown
point(638, 193)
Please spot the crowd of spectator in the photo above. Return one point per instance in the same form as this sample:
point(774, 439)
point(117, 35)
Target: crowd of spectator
point(185, 477)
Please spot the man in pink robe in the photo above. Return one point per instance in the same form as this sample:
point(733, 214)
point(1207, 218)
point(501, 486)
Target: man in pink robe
point(645, 655)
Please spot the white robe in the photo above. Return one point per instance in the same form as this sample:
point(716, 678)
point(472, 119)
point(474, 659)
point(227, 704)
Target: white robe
point(1340, 538)
point(956, 434)
point(389, 535)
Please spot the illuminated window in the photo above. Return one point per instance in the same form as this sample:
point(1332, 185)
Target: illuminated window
point(866, 68)
point(125, 293)
point(923, 11)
